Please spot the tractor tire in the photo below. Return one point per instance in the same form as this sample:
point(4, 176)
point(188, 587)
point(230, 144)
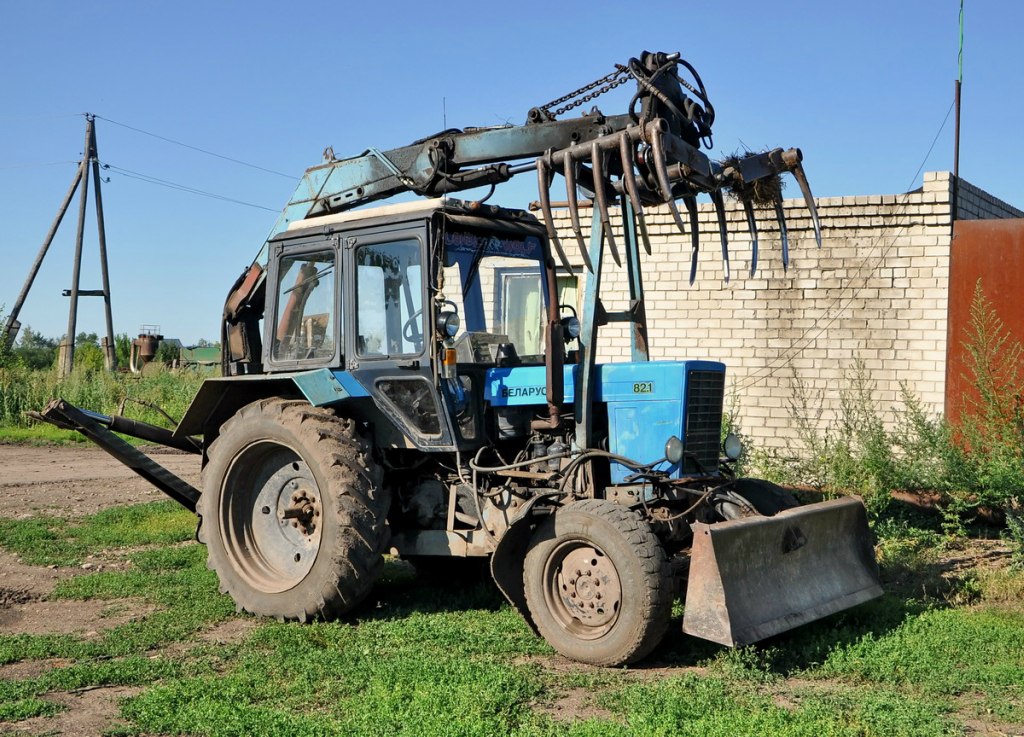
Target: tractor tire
point(293, 512)
point(598, 583)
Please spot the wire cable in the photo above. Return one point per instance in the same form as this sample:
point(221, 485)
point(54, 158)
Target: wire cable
point(179, 187)
point(38, 165)
point(196, 148)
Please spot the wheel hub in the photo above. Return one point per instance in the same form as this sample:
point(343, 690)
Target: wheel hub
point(274, 518)
point(588, 587)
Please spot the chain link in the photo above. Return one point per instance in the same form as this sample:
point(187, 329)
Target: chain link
point(610, 81)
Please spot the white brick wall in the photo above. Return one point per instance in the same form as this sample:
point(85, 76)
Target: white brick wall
point(876, 291)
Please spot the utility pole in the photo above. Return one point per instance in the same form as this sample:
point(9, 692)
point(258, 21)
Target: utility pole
point(66, 361)
point(956, 118)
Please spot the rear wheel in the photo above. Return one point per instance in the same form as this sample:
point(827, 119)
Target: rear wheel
point(293, 513)
point(598, 584)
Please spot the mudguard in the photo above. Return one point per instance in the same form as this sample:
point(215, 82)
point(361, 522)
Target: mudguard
point(507, 559)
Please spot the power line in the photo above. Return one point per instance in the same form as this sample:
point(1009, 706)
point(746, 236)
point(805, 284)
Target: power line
point(37, 165)
point(803, 341)
point(180, 187)
point(196, 148)
point(22, 118)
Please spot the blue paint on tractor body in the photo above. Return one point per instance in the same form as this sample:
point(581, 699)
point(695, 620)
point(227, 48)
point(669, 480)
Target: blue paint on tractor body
point(646, 403)
point(323, 387)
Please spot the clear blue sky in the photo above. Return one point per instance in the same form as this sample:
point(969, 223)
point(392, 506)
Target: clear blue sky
point(861, 87)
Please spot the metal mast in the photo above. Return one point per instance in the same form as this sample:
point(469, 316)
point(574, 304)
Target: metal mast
point(90, 157)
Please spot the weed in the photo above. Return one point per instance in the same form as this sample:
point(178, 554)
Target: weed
point(23, 390)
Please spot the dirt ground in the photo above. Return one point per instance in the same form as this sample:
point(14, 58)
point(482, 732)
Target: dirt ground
point(74, 481)
point(68, 481)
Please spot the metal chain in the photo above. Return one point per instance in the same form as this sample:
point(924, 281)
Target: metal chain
point(610, 81)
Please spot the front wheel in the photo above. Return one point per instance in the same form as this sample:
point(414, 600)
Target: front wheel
point(293, 512)
point(598, 584)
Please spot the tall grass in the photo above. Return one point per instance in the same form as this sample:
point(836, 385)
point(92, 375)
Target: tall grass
point(23, 390)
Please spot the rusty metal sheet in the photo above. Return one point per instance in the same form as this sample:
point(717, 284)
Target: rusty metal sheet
point(991, 251)
point(756, 577)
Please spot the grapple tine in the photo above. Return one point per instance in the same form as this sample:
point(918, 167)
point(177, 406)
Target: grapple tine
point(661, 171)
point(626, 154)
point(805, 189)
point(780, 215)
point(691, 206)
point(601, 195)
point(569, 171)
point(716, 197)
point(544, 178)
point(752, 224)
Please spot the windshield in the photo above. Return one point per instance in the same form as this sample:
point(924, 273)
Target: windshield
point(494, 283)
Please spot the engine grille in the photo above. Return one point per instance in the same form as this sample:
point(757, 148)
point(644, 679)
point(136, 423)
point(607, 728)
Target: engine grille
point(704, 394)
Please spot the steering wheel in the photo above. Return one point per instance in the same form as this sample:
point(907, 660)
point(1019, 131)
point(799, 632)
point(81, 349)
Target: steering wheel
point(411, 329)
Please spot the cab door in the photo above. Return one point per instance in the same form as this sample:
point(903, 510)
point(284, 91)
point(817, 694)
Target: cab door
point(389, 336)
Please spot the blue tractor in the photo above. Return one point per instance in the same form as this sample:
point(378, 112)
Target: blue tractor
point(420, 379)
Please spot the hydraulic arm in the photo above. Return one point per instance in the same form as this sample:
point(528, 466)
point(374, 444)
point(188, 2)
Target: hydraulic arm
point(650, 155)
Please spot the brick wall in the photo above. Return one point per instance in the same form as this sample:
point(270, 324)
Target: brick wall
point(874, 294)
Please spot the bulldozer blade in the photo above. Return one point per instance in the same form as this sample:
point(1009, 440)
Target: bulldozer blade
point(780, 215)
point(691, 207)
point(569, 172)
point(805, 189)
point(755, 577)
point(601, 198)
point(752, 224)
point(629, 180)
point(544, 177)
point(716, 197)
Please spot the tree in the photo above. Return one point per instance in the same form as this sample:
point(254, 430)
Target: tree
point(122, 348)
point(36, 351)
point(167, 352)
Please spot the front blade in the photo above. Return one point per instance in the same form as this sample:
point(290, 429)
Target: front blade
point(756, 577)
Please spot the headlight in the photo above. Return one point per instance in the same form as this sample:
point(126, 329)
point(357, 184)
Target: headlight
point(732, 446)
point(448, 324)
point(674, 450)
point(571, 326)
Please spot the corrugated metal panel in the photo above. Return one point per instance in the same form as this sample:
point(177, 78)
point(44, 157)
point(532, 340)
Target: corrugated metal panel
point(991, 251)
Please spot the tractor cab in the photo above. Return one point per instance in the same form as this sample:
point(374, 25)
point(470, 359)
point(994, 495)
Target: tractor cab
point(410, 305)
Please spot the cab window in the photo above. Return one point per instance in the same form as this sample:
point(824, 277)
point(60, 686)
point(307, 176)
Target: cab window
point(389, 317)
point(306, 322)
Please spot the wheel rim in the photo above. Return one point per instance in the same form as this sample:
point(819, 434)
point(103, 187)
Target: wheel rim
point(271, 517)
point(582, 589)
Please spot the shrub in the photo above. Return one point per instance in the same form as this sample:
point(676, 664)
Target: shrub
point(980, 463)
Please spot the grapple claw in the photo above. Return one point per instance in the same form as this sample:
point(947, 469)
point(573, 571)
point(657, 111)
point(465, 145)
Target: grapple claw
point(780, 215)
point(601, 197)
point(716, 197)
point(569, 171)
point(793, 158)
point(691, 206)
point(748, 208)
point(629, 180)
point(544, 177)
point(661, 172)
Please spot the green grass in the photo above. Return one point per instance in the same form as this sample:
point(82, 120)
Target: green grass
point(55, 541)
point(449, 660)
